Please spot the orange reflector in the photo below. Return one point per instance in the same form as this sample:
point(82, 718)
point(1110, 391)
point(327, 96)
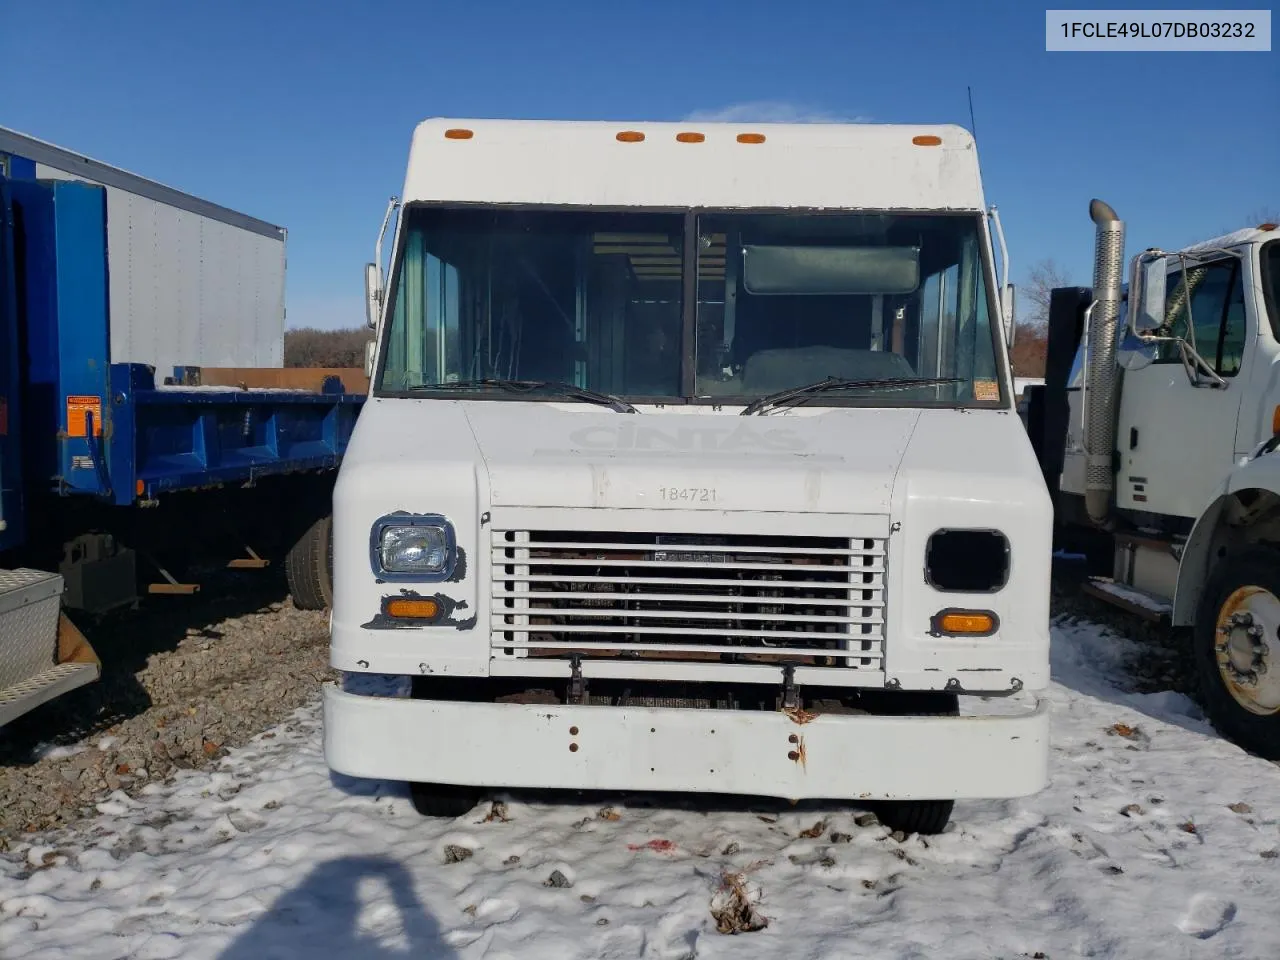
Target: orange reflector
point(751, 138)
point(458, 133)
point(690, 137)
point(630, 136)
point(142, 486)
point(1266, 226)
point(927, 140)
point(412, 609)
point(965, 622)
point(1275, 421)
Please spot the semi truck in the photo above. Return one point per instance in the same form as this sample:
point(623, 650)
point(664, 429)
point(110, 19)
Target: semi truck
point(691, 463)
point(146, 428)
point(1157, 429)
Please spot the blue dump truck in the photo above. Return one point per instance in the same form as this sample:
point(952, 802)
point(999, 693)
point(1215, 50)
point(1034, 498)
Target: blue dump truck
point(148, 434)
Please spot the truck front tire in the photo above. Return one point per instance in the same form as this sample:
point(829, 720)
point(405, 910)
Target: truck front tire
point(443, 800)
point(1236, 650)
point(916, 816)
point(309, 567)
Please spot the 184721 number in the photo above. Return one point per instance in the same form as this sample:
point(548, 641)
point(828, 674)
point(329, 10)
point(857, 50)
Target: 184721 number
point(688, 495)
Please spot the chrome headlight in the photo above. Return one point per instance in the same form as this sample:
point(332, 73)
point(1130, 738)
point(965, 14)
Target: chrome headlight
point(409, 547)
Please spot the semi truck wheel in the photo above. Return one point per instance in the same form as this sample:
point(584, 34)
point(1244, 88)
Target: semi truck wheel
point(309, 567)
point(917, 816)
point(1236, 650)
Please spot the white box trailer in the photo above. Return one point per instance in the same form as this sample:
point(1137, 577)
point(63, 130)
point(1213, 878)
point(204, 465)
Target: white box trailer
point(692, 463)
point(192, 283)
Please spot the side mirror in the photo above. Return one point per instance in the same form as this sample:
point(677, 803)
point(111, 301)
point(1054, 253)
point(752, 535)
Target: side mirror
point(1146, 311)
point(372, 294)
point(1008, 311)
point(1135, 353)
point(370, 354)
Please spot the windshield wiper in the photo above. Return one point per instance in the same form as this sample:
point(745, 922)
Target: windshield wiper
point(529, 386)
point(800, 394)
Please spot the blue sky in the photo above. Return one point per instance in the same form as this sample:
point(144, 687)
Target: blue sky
point(300, 113)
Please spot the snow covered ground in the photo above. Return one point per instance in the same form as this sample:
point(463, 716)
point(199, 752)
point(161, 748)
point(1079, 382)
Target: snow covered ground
point(1155, 839)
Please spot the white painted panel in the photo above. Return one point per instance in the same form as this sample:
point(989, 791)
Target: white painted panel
point(834, 166)
point(187, 289)
point(1173, 418)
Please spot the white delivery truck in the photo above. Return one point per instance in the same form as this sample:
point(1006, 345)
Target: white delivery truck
point(692, 464)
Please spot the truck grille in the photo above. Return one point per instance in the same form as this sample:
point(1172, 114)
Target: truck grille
point(720, 598)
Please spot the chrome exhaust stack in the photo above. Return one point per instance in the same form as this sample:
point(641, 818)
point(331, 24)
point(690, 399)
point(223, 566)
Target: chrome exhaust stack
point(1100, 395)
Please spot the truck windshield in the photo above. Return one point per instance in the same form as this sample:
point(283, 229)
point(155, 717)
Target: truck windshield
point(785, 300)
point(597, 300)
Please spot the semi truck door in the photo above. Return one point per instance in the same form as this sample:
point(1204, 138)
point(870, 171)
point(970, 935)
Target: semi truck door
point(1176, 439)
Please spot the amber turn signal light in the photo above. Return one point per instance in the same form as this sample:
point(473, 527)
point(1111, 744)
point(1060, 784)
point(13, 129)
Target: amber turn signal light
point(412, 609)
point(965, 623)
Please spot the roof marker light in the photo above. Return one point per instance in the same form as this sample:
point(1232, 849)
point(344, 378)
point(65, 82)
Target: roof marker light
point(630, 136)
point(458, 133)
point(690, 137)
point(751, 138)
point(927, 140)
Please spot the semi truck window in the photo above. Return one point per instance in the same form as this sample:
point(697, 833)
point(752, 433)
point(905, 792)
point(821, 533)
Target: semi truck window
point(1215, 293)
point(1270, 260)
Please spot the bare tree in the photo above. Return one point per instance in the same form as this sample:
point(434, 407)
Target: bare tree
point(309, 347)
point(1036, 292)
point(1031, 340)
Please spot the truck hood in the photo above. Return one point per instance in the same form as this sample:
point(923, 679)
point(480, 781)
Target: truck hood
point(835, 461)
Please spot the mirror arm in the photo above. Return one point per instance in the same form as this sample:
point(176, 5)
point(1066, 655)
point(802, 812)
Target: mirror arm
point(1196, 367)
point(392, 204)
point(994, 214)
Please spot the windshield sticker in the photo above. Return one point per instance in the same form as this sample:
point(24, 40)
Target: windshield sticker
point(986, 390)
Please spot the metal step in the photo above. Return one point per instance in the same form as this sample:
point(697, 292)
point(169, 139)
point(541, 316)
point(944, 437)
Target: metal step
point(28, 694)
point(1130, 599)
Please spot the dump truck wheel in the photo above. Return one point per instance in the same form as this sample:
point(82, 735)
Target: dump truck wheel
point(309, 567)
point(917, 816)
point(1236, 650)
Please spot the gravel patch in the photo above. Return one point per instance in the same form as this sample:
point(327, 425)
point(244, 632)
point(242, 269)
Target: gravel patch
point(216, 686)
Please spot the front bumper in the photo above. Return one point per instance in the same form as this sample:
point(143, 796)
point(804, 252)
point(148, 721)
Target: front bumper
point(752, 753)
